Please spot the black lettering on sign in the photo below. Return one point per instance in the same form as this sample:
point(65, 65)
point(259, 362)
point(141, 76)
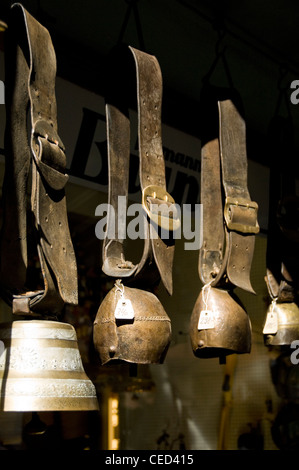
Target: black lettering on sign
point(186, 185)
point(294, 94)
point(181, 159)
point(83, 146)
point(186, 189)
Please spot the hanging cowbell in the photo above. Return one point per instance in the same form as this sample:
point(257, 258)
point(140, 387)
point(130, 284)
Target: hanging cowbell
point(281, 326)
point(219, 325)
point(41, 368)
point(132, 326)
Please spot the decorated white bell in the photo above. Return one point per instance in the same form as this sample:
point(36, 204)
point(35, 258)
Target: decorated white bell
point(41, 368)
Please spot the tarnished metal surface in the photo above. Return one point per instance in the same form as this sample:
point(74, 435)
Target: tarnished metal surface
point(284, 318)
point(143, 339)
point(41, 368)
point(228, 330)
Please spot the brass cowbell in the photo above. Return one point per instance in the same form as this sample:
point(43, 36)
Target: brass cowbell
point(41, 368)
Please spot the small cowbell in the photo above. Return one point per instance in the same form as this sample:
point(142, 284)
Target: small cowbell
point(132, 326)
point(281, 326)
point(219, 325)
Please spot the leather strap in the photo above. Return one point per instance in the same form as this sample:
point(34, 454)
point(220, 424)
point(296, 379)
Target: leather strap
point(229, 226)
point(127, 67)
point(282, 258)
point(34, 150)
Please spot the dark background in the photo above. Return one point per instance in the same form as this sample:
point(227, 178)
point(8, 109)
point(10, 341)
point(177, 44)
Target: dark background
point(253, 44)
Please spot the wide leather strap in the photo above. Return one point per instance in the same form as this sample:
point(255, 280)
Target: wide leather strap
point(127, 67)
point(35, 154)
point(282, 258)
point(229, 225)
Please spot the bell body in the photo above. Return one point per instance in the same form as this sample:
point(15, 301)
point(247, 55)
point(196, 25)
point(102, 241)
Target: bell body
point(286, 328)
point(228, 329)
point(143, 338)
point(41, 368)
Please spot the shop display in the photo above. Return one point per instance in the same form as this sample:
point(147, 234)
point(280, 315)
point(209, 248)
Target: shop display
point(41, 368)
point(89, 301)
point(219, 324)
point(131, 323)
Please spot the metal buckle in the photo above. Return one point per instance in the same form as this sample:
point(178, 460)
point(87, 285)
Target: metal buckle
point(162, 219)
point(240, 227)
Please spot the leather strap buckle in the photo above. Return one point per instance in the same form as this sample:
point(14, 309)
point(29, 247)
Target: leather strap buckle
point(160, 207)
point(240, 215)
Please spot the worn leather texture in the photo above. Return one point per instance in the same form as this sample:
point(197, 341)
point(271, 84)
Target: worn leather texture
point(34, 202)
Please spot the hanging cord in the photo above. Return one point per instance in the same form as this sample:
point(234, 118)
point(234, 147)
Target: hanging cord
point(205, 293)
point(219, 55)
point(132, 6)
point(282, 94)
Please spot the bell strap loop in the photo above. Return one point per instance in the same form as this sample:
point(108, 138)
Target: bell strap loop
point(30, 88)
point(282, 258)
point(229, 227)
point(126, 67)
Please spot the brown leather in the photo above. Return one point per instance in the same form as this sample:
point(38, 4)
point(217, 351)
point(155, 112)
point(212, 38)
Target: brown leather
point(282, 276)
point(219, 323)
point(281, 325)
point(157, 258)
point(226, 254)
point(38, 155)
point(143, 338)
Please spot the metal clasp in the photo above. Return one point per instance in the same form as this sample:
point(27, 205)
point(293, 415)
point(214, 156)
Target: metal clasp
point(241, 226)
point(160, 207)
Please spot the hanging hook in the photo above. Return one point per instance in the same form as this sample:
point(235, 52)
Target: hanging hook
point(282, 92)
point(219, 54)
point(282, 74)
point(132, 5)
point(221, 34)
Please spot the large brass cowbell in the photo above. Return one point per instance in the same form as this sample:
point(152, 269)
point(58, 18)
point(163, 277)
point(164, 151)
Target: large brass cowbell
point(41, 368)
